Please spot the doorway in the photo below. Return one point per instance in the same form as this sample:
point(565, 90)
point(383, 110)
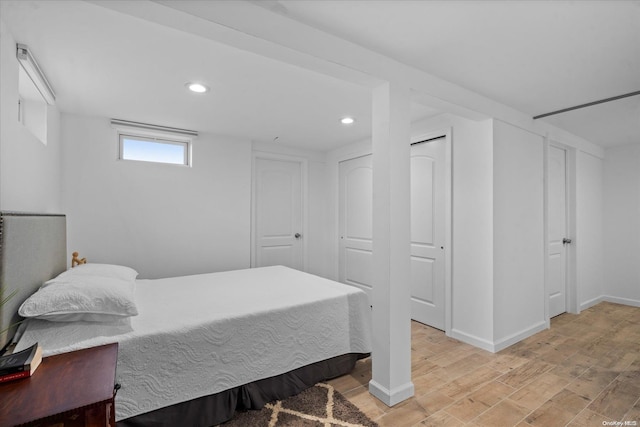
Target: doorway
point(278, 212)
point(559, 240)
point(428, 232)
point(355, 259)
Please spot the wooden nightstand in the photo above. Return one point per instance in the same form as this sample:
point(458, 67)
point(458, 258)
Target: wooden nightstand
point(69, 389)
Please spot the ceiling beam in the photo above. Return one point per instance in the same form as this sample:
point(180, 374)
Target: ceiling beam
point(256, 29)
point(252, 28)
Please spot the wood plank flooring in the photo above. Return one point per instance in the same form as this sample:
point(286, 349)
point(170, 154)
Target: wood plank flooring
point(584, 371)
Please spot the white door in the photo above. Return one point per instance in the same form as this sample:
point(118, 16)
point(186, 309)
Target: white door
point(558, 239)
point(278, 213)
point(428, 232)
point(355, 218)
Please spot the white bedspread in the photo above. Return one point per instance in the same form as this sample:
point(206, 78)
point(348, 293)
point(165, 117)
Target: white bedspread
point(202, 334)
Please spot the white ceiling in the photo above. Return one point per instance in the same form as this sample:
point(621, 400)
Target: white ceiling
point(534, 56)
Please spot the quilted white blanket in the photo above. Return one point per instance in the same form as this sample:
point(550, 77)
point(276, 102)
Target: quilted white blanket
point(202, 334)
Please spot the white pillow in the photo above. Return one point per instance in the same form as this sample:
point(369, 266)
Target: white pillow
point(103, 270)
point(88, 298)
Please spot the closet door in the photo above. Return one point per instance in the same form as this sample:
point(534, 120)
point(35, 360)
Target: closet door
point(427, 228)
point(428, 232)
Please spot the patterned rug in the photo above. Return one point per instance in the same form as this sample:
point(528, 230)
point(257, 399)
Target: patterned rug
point(318, 406)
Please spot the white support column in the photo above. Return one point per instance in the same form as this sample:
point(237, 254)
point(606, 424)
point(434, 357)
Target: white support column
point(391, 363)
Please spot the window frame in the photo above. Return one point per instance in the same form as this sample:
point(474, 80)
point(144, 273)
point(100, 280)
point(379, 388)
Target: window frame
point(158, 139)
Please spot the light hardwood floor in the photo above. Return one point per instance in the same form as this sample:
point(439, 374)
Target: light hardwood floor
point(583, 371)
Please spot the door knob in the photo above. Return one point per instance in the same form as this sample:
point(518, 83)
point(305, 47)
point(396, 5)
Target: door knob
point(297, 235)
point(565, 241)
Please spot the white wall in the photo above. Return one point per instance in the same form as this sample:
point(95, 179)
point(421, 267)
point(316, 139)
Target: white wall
point(163, 220)
point(589, 239)
point(30, 173)
point(518, 224)
point(472, 223)
point(319, 241)
point(622, 224)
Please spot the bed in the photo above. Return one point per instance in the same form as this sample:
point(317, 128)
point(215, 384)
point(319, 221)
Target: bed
point(202, 346)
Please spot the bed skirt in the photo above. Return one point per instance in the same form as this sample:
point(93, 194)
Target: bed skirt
point(217, 408)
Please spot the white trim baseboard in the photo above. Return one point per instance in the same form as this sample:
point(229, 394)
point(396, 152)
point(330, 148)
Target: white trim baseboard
point(496, 346)
point(610, 298)
point(391, 397)
point(519, 336)
point(472, 339)
point(619, 300)
point(591, 302)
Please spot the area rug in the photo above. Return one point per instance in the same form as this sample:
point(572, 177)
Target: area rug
point(318, 406)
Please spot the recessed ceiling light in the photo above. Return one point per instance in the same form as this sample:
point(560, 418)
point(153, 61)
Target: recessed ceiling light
point(197, 87)
point(347, 120)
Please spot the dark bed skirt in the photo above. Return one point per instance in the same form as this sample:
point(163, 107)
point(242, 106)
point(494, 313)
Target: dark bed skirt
point(217, 408)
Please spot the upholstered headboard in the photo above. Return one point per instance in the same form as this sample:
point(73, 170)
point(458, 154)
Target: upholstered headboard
point(33, 249)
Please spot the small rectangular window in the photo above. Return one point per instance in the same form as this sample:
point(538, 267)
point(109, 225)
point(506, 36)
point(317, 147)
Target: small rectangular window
point(158, 150)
